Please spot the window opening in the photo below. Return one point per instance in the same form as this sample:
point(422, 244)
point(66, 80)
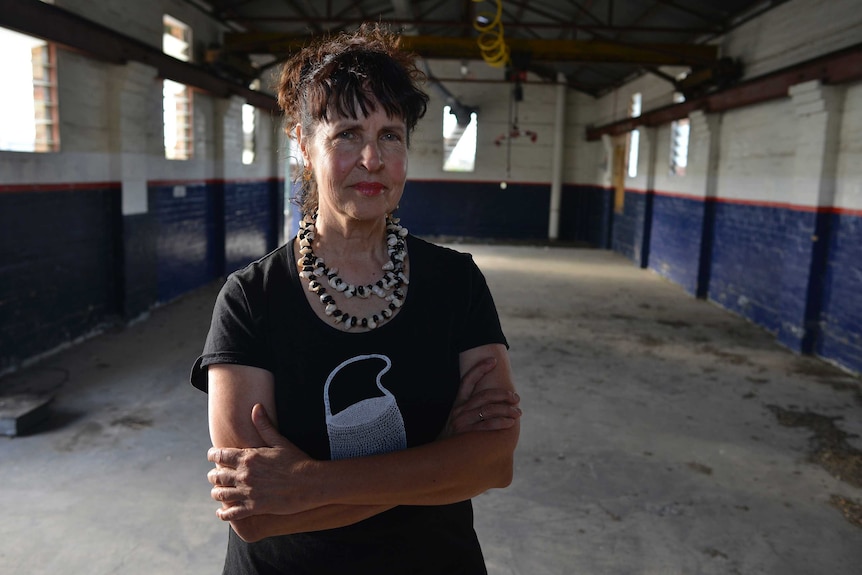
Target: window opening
point(633, 140)
point(249, 128)
point(459, 142)
point(177, 97)
point(29, 120)
point(679, 137)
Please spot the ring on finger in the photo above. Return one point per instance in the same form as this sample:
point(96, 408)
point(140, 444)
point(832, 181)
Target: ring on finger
point(481, 417)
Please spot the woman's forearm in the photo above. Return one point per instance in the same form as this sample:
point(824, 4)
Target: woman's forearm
point(282, 480)
point(257, 527)
point(445, 471)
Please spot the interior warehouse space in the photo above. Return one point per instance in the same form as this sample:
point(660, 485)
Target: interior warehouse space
point(664, 198)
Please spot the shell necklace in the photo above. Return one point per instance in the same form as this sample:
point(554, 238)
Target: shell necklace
point(314, 269)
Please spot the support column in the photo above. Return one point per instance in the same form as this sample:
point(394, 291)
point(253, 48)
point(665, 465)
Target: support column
point(133, 87)
point(651, 140)
point(227, 134)
point(558, 159)
point(704, 150)
point(818, 110)
point(606, 180)
point(227, 167)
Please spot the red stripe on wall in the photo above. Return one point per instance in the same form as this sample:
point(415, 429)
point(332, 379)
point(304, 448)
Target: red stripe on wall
point(756, 203)
point(209, 181)
point(13, 188)
point(75, 187)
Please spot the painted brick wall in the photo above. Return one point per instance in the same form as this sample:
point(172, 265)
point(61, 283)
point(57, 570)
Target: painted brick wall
point(517, 160)
point(585, 215)
point(189, 236)
point(152, 247)
point(628, 227)
point(208, 230)
point(58, 256)
point(792, 32)
point(675, 245)
point(143, 20)
point(746, 262)
point(475, 210)
point(520, 212)
point(249, 218)
point(842, 308)
point(139, 264)
point(766, 221)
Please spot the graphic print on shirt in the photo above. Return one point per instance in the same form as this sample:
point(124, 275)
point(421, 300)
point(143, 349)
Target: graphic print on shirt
point(369, 426)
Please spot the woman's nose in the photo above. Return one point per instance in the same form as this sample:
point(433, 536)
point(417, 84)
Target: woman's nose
point(371, 159)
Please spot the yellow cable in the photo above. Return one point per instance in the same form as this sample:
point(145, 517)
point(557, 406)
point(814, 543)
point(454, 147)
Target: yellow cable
point(492, 45)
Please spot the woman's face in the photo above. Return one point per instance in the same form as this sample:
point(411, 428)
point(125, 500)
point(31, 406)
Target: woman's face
point(359, 165)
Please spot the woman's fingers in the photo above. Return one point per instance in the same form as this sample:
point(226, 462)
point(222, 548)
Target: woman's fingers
point(489, 397)
point(221, 477)
point(258, 480)
point(472, 377)
point(489, 410)
point(225, 456)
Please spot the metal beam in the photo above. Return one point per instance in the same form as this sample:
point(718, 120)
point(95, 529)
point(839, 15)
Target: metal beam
point(340, 21)
point(444, 47)
point(838, 67)
point(76, 33)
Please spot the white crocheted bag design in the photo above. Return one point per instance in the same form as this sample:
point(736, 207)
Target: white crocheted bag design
point(369, 426)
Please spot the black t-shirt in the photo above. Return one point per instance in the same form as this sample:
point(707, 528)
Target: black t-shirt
point(347, 394)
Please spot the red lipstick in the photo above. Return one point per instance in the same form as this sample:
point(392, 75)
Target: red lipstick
point(369, 188)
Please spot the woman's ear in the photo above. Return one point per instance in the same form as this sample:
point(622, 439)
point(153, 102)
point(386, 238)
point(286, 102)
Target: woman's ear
point(303, 145)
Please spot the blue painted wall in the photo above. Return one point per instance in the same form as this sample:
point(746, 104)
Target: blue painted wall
point(190, 236)
point(520, 212)
point(249, 223)
point(585, 215)
point(758, 261)
point(841, 324)
point(628, 227)
point(59, 267)
point(72, 263)
point(675, 246)
point(476, 210)
point(139, 262)
point(761, 263)
point(209, 229)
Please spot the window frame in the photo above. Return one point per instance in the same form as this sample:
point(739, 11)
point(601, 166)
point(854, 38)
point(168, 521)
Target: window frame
point(44, 97)
point(178, 128)
point(451, 162)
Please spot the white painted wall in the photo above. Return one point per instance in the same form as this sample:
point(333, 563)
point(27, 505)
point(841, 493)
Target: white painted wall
point(793, 32)
point(756, 145)
point(91, 105)
point(848, 193)
point(527, 162)
point(757, 151)
point(761, 145)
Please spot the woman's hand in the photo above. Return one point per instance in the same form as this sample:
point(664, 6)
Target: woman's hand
point(483, 410)
point(261, 480)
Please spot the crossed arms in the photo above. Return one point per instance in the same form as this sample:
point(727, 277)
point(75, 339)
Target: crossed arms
point(267, 486)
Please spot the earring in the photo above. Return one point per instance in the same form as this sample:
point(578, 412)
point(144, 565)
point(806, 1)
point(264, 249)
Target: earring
point(306, 175)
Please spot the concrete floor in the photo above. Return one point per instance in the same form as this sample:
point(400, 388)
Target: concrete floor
point(651, 440)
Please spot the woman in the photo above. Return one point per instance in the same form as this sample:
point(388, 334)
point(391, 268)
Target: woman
point(359, 387)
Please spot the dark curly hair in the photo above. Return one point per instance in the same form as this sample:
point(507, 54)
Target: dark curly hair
point(333, 75)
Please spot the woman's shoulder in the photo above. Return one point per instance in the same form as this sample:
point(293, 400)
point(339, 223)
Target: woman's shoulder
point(273, 263)
point(262, 275)
point(427, 252)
